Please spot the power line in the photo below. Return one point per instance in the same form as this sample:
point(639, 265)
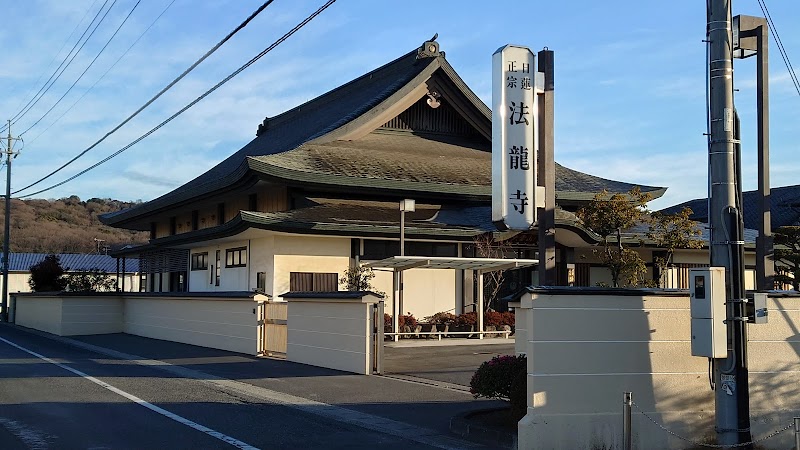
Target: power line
point(154, 98)
point(86, 69)
point(194, 102)
point(781, 49)
point(62, 67)
point(55, 56)
point(106, 72)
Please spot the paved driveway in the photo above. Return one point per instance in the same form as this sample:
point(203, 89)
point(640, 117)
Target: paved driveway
point(449, 364)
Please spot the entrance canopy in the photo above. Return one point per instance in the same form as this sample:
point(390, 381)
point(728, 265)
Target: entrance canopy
point(401, 263)
point(480, 265)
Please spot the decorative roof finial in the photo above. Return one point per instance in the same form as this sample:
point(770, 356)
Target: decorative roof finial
point(430, 49)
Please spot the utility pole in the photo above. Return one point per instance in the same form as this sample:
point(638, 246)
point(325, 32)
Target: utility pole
point(725, 220)
point(7, 224)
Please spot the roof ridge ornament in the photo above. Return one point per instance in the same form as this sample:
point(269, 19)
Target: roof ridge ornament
point(430, 49)
point(263, 127)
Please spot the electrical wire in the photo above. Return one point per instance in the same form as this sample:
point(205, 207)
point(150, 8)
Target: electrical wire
point(62, 67)
point(155, 97)
point(55, 56)
point(781, 49)
point(194, 102)
point(105, 73)
point(86, 69)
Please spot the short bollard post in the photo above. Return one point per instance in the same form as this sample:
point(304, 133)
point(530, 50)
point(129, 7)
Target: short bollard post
point(626, 422)
point(797, 433)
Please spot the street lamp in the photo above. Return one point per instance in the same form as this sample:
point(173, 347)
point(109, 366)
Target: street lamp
point(406, 205)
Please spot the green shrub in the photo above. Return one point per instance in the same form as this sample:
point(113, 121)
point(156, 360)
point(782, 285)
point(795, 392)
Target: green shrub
point(494, 378)
point(93, 280)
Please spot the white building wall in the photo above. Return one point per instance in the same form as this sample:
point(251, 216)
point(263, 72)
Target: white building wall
point(231, 278)
point(428, 291)
point(262, 259)
point(307, 254)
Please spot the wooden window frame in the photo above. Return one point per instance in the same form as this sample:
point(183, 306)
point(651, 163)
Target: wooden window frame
point(236, 257)
point(199, 261)
point(217, 272)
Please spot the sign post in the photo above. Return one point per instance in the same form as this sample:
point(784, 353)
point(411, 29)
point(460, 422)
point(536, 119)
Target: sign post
point(515, 118)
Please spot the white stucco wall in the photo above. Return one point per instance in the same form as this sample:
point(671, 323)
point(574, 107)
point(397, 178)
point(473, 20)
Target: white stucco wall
point(307, 254)
point(426, 291)
point(276, 255)
point(231, 278)
point(262, 259)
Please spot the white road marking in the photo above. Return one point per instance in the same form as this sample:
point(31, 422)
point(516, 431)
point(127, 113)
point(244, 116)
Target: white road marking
point(216, 434)
point(331, 412)
point(32, 438)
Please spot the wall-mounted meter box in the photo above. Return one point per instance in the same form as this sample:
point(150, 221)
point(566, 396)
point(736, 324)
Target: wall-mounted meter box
point(707, 305)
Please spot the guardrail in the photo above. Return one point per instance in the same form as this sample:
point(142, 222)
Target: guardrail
point(439, 334)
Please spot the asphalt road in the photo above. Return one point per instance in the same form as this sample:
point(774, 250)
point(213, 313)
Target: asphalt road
point(454, 365)
point(58, 396)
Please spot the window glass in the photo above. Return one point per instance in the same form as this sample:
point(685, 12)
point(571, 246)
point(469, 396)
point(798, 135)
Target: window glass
point(236, 257)
point(200, 261)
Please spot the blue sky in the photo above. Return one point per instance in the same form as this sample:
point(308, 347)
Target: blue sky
point(630, 77)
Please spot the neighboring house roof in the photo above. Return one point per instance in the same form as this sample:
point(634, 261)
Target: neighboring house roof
point(329, 141)
point(638, 233)
point(784, 207)
point(73, 262)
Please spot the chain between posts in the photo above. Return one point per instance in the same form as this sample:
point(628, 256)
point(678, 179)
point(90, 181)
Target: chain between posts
point(702, 444)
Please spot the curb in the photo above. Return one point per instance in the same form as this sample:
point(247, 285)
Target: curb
point(462, 426)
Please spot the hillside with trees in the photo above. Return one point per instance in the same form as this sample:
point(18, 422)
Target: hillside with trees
point(66, 225)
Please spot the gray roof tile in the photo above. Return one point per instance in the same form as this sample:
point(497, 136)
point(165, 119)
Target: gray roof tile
point(75, 262)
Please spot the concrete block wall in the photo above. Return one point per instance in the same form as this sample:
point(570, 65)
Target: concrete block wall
point(331, 330)
point(226, 324)
point(585, 350)
point(215, 322)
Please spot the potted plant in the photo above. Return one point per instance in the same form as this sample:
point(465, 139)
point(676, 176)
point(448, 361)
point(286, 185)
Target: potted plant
point(465, 322)
point(442, 320)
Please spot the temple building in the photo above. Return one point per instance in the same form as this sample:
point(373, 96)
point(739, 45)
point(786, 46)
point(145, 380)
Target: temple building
point(318, 190)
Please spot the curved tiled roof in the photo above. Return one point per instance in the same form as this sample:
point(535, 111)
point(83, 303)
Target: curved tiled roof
point(294, 127)
point(426, 160)
point(361, 218)
point(290, 148)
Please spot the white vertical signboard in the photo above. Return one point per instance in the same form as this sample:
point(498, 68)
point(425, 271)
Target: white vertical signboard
point(514, 147)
